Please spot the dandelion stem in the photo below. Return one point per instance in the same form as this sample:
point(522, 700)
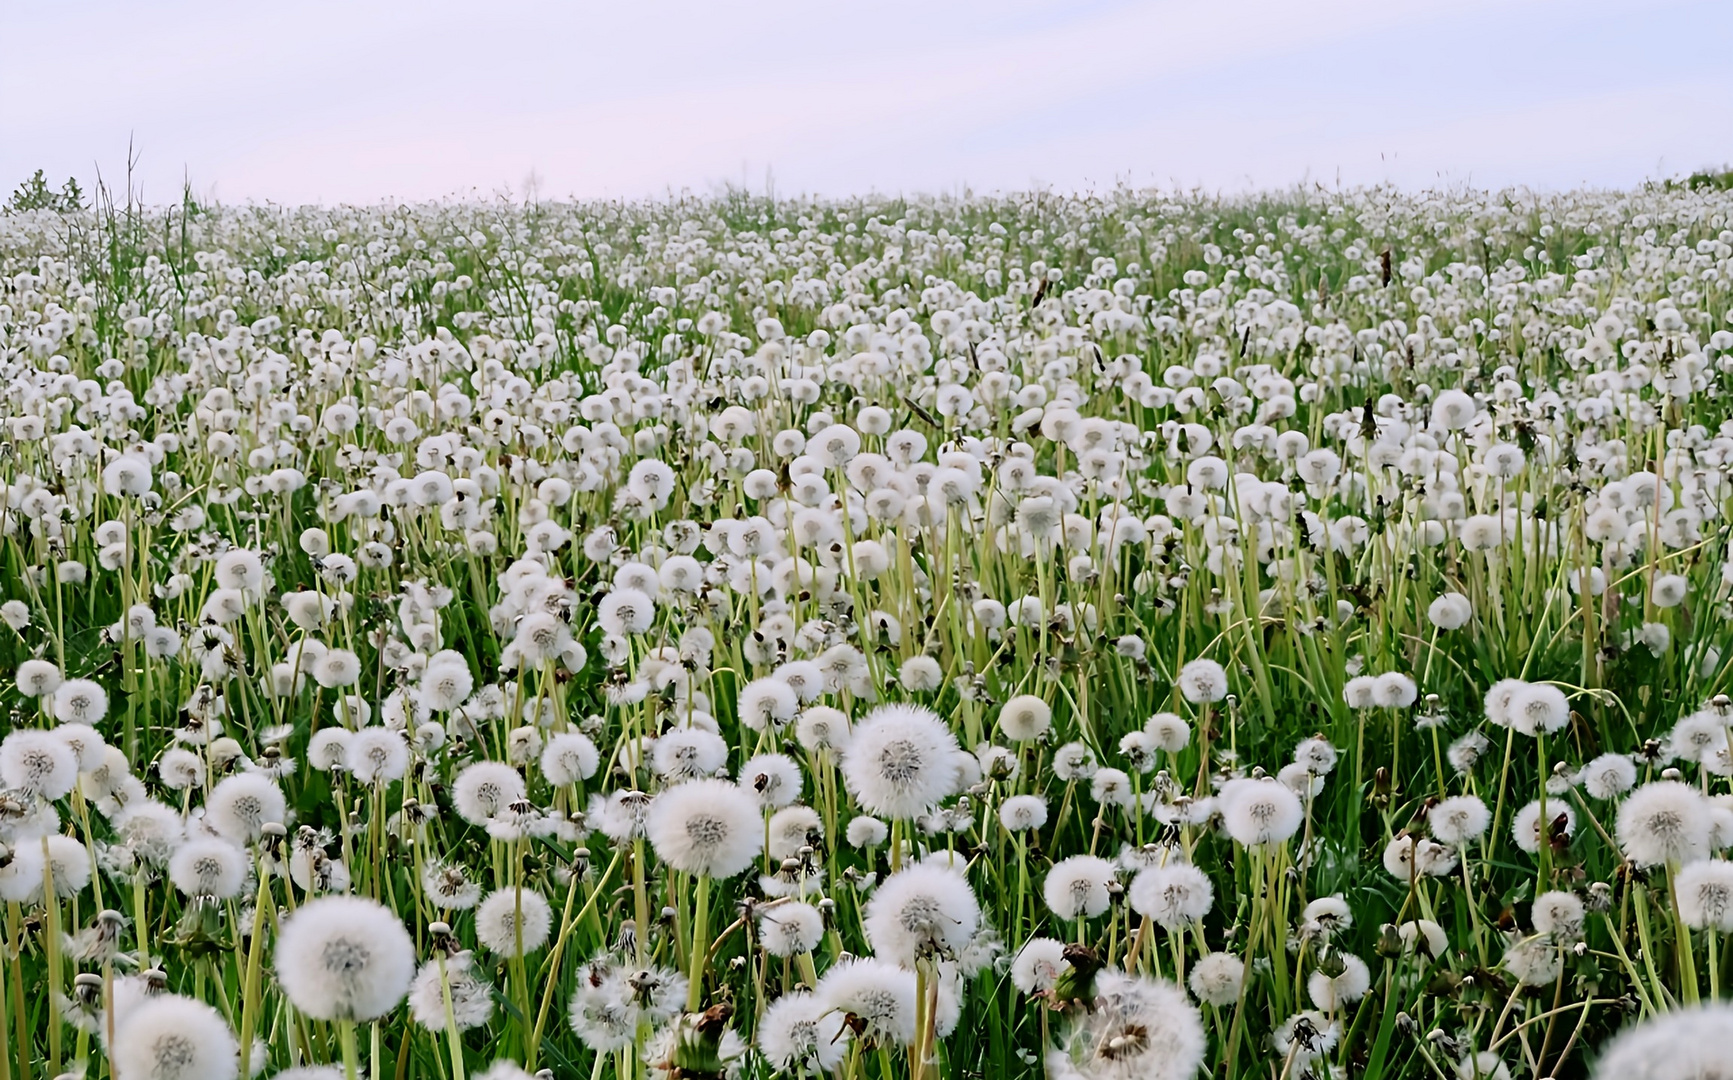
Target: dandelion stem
point(700, 943)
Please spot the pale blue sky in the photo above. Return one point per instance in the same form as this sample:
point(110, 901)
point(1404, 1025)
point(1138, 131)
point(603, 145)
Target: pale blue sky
point(360, 100)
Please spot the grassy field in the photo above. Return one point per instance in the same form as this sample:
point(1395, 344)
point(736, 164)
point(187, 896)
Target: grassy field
point(1134, 635)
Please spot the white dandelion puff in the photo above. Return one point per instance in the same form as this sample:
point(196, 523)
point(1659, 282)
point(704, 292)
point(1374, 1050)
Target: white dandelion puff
point(170, 1037)
point(1608, 776)
point(1025, 718)
point(709, 827)
point(791, 928)
point(80, 701)
point(1079, 887)
point(1331, 992)
point(37, 763)
point(1458, 820)
point(898, 761)
point(1217, 978)
point(344, 958)
point(36, 678)
point(513, 922)
point(1038, 965)
point(240, 806)
point(208, 866)
point(1173, 894)
point(801, 1032)
point(1260, 811)
point(880, 996)
point(1525, 825)
point(485, 789)
point(471, 996)
point(1682, 1044)
point(921, 911)
point(1202, 681)
point(1664, 822)
point(1140, 1029)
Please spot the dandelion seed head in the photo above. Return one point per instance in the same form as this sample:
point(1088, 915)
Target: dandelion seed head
point(879, 995)
point(801, 1032)
point(513, 922)
point(1203, 681)
point(791, 928)
point(1533, 961)
point(1141, 1027)
point(208, 866)
point(1037, 965)
point(344, 958)
point(377, 755)
point(569, 757)
point(38, 763)
point(709, 827)
point(898, 762)
point(866, 832)
point(170, 1037)
point(1690, 1042)
point(1078, 887)
point(1559, 914)
point(1024, 718)
point(773, 778)
point(1173, 894)
point(1458, 820)
point(80, 701)
point(1526, 824)
point(1168, 732)
point(1536, 709)
point(1306, 1037)
point(1020, 813)
point(1217, 978)
point(240, 806)
point(1330, 993)
point(471, 996)
point(484, 789)
point(1260, 812)
point(1664, 822)
point(1073, 762)
point(921, 911)
point(37, 678)
point(1608, 776)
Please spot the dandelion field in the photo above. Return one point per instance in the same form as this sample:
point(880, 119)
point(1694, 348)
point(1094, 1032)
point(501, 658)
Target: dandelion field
point(1123, 636)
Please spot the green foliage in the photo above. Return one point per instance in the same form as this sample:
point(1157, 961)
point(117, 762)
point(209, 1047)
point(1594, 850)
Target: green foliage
point(1720, 179)
point(35, 194)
